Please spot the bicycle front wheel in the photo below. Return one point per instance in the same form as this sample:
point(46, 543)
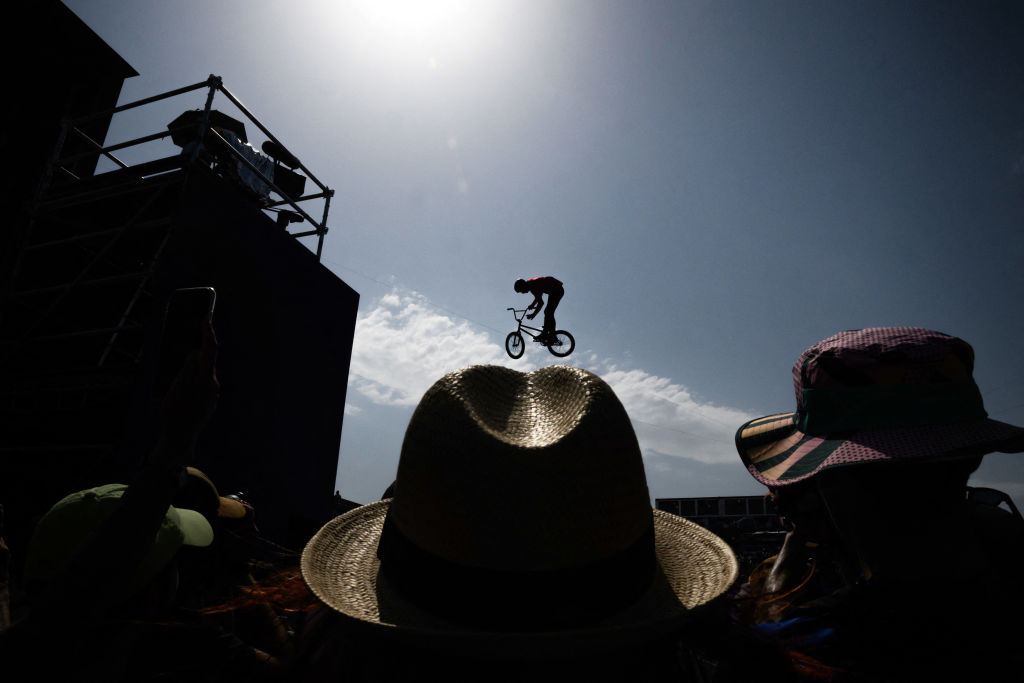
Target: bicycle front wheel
point(514, 344)
point(563, 344)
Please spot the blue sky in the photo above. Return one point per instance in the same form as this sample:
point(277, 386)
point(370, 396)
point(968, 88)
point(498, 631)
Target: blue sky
point(719, 184)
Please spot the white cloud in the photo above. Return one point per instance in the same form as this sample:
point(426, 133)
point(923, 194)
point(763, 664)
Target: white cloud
point(668, 420)
point(404, 345)
point(390, 300)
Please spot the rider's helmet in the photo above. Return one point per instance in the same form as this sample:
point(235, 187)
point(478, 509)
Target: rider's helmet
point(520, 286)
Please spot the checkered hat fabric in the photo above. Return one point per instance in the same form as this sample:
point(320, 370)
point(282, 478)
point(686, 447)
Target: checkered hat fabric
point(884, 393)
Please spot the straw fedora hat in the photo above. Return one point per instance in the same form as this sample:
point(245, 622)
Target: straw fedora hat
point(871, 396)
point(520, 521)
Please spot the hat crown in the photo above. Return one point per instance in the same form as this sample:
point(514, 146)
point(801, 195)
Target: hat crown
point(520, 506)
point(882, 357)
point(871, 396)
point(521, 471)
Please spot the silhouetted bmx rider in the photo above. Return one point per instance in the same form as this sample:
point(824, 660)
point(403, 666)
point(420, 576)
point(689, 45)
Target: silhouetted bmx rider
point(538, 286)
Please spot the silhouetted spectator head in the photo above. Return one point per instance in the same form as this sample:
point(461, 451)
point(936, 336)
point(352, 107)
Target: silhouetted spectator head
point(199, 493)
point(63, 530)
point(889, 426)
point(521, 527)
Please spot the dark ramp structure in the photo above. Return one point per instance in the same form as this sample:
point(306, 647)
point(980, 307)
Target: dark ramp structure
point(284, 328)
point(104, 235)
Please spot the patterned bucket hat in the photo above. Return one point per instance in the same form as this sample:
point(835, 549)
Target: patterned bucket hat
point(877, 394)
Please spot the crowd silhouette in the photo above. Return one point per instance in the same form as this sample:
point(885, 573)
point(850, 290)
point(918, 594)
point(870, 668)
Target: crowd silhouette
point(517, 542)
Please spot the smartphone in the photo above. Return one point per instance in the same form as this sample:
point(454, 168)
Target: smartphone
point(188, 311)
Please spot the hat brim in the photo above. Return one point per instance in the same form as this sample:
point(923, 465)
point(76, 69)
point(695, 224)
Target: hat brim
point(777, 453)
point(179, 527)
point(194, 529)
point(340, 566)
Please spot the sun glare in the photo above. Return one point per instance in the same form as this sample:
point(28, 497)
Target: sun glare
point(411, 18)
point(392, 37)
point(415, 25)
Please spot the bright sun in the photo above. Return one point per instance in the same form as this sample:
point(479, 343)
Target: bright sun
point(418, 24)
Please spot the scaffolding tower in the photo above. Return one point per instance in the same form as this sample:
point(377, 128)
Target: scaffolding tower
point(78, 298)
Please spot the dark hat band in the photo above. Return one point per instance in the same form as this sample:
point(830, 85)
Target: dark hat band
point(516, 601)
point(831, 411)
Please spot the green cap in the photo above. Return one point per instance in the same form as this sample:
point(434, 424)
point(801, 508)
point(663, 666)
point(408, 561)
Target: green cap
point(66, 526)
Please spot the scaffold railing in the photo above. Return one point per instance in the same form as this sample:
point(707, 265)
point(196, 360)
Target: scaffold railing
point(265, 171)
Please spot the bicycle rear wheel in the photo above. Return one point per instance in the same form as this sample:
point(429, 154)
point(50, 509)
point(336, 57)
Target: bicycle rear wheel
point(563, 344)
point(514, 344)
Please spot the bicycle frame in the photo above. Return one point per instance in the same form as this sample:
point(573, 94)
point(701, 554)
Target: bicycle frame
point(522, 325)
point(560, 344)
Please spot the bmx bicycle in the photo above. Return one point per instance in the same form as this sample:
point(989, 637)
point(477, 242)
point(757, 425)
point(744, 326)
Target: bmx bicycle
point(561, 345)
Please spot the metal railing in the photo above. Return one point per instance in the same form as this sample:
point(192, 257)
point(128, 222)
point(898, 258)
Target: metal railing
point(205, 132)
